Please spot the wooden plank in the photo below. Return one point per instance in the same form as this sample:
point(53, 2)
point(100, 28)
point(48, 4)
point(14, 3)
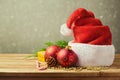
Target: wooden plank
point(17, 65)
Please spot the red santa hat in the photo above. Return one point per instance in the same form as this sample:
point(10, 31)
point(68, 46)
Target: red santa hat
point(92, 40)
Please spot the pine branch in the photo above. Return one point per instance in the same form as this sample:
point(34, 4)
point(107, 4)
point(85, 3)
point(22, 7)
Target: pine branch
point(61, 43)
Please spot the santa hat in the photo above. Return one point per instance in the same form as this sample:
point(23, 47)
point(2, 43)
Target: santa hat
point(92, 40)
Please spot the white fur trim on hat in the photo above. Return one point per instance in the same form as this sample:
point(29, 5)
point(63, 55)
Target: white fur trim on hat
point(93, 55)
point(64, 30)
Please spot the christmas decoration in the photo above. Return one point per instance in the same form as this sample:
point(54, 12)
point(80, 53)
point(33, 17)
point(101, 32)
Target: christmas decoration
point(51, 61)
point(41, 55)
point(66, 57)
point(41, 65)
point(52, 51)
point(92, 40)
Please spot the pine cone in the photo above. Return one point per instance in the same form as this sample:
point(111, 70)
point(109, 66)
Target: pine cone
point(51, 61)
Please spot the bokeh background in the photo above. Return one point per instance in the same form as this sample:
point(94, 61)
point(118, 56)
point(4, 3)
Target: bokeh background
point(25, 25)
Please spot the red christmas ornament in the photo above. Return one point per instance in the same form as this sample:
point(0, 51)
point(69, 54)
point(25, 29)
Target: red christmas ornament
point(66, 57)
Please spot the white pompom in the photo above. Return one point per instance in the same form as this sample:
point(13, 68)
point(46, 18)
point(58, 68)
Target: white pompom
point(64, 30)
point(93, 55)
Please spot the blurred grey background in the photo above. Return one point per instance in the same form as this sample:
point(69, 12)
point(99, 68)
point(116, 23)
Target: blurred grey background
point(25, 25)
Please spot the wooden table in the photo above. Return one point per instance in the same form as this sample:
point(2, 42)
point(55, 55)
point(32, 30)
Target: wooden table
point(17, 67)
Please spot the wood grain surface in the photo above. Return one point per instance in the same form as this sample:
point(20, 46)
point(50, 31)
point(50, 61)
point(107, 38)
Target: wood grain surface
point(18, 67)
